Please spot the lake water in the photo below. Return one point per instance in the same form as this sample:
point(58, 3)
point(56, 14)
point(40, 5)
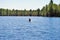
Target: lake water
point(19, 28)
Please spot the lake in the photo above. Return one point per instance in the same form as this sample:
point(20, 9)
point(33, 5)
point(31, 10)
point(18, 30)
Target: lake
point(19, 28)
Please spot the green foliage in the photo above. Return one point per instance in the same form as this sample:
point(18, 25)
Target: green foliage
point(13, 12)
point(51, 10)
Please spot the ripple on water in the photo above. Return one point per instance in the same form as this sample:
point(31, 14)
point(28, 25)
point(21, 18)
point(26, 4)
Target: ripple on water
point(19, 28)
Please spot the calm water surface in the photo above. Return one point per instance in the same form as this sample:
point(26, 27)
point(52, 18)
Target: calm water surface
point(19, 28)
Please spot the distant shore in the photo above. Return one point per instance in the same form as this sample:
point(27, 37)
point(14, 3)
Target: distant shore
point(50, 10)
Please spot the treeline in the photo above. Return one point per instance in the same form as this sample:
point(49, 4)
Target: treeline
point(50, 10)
point(7, 12)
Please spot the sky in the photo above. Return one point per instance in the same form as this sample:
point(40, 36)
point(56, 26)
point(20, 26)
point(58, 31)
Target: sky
point(25, 4)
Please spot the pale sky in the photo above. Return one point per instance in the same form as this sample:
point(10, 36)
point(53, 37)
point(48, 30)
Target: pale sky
point(25, 4)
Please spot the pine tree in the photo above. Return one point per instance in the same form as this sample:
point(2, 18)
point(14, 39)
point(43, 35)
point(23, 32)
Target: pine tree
point(38, 12)
point(51, 8)
point(30, 12)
